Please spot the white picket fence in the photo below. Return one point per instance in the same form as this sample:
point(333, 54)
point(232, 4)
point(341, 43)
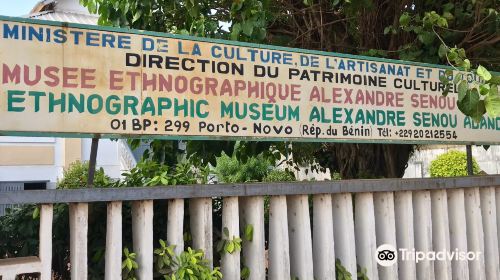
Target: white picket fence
point(350, 219)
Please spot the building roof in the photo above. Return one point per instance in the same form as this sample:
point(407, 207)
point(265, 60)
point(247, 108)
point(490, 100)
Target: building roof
point(63, 10)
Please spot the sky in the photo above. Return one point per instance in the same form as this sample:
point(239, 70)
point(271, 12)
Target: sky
point(16, 8)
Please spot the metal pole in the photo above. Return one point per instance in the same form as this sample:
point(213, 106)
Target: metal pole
point(92, 161)
point(470, 171)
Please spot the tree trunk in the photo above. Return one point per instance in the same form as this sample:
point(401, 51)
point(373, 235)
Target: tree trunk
point(366, 160)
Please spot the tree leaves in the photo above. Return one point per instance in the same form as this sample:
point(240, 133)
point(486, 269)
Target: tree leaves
point(472, 106)
point(404, 19)
point(462, 90)
point(492, 102)
point(235, 31)
point(247, 27)
point(249, 232)
point(245, 273)
point(249, 21)
point(426, 38)
point(229, 247)
point(36, 213)
point(137, 16)
point(443, 50)
point(483, 73)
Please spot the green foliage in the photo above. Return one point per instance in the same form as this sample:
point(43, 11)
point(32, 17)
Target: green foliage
point(189, 265)
point(248, 21)
point(192, 265)
point(75, 176)
point(152, 173)
point(277, 175)
point(19, 232)
point(245, 273)
point(162, 151)
point(129, 265)
point(436, 23)
point(475, 96)
point(180, 17)
point(362, 273)
point(227, 244)
point(335, 176)
point(164, 258)
point(232, 170)
point(248, 233)
point(452, 164)
point(341, 272)
point(209, 151)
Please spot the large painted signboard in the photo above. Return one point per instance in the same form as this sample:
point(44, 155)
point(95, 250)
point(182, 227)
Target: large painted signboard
point(59, 78)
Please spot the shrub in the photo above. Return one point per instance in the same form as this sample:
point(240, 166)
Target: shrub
point(190, 264)
point(151, 173)
point(452, 164)
point(19, 232)
point(335, 176)
point(232, 170)
point(277, 175)
point(75, 176)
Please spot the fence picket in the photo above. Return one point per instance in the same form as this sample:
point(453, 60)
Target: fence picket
point(440, 233)
point(403, 207)
point(323, 242)
point(230, 263)
point(475, 236)
point(423, 232)
point(78, 225)
point(489, 214)
point(279, 257)
point(343, 231)
point(175, 224)
point(113, 268)
point(299, 232)
point(142, 231)
point(497, 200)
point(201, 226)
point(254, 255)
point(385, 230)
point(45, 250)
point(458, 232)
point(366, 243)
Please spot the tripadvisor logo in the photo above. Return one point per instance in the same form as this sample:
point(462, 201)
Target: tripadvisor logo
point(387, 255)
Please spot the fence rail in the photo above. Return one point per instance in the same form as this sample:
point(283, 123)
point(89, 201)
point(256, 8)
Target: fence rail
point(350, 219)
point(250, 189)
